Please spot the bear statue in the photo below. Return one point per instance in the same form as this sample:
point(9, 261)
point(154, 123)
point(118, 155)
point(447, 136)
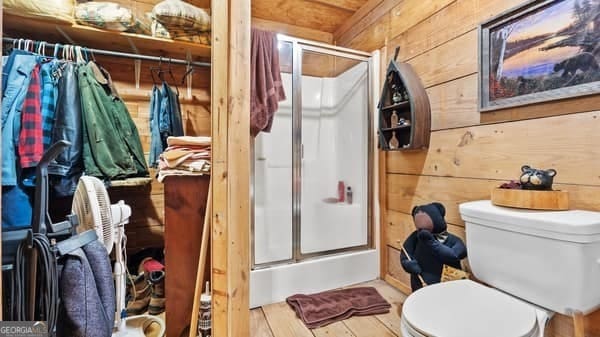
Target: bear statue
point(534, 179)
point(430, 246)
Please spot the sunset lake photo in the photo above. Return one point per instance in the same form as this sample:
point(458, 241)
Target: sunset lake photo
point(554, 47)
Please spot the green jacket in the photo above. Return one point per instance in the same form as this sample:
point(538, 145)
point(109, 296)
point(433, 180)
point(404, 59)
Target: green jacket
point(111, 143)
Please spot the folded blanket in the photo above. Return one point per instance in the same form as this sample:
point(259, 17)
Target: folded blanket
point(188, 140)
point(327, 307)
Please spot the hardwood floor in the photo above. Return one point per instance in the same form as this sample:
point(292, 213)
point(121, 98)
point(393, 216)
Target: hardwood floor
point(279, 320)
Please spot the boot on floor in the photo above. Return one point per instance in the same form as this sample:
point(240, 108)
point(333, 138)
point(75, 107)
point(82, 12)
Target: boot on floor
point(139, 295)
point(157, 299)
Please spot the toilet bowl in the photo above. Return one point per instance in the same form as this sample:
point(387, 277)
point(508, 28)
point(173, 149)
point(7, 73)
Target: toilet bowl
point(535, 263)
point(468, 309)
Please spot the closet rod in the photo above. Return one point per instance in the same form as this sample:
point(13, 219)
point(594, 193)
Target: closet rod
point(124, 55)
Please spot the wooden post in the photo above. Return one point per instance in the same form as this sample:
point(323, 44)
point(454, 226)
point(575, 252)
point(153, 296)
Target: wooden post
point(230, 108)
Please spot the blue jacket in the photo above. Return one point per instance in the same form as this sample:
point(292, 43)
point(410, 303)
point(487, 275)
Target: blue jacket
point(17, 83)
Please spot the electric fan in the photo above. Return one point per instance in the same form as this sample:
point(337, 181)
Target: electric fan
point(92, 206)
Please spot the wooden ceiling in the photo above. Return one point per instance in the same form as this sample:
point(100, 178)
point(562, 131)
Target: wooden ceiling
point(323, 15)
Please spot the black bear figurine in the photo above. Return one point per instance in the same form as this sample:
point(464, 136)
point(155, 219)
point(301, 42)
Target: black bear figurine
point(430, 246)
point(534, 179)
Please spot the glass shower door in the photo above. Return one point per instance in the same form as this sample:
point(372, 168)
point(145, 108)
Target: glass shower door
point(272, 192)
point(333, 153)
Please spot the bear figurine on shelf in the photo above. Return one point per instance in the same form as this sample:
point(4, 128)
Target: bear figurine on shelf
point(535, 179)
point(430, 246)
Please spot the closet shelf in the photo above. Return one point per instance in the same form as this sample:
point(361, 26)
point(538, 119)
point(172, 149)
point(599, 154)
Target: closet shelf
point(138, 181)
point(53, 32)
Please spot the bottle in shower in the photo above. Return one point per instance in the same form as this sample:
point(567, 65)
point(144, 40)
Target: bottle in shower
point(349, 195)
point(341, 191)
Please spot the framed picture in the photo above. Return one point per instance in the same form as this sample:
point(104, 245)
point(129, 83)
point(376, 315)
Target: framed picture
point(540, 51)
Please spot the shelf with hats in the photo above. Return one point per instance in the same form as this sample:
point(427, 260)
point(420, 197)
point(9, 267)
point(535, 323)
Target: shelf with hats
point(76, 34)
point(404, 111)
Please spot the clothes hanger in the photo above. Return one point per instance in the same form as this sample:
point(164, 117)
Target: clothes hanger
point(157, 69)
point(56, 47)
point(173, 77)
point(189, 71)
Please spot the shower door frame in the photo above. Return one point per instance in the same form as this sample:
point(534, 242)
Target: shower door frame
point(298, 46)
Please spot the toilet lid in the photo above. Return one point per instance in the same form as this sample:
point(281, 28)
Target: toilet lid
point(467, 309)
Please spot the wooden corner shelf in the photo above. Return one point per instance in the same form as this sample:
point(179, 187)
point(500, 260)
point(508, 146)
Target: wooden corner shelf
point(397, 106)
point(65, 33)
point(403, 100)
point(396, 128)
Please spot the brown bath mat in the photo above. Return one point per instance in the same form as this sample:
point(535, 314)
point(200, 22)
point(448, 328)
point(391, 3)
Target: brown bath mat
point(327, 307)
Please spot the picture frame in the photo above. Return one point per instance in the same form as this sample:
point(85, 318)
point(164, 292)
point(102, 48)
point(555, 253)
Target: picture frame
point(540, 51)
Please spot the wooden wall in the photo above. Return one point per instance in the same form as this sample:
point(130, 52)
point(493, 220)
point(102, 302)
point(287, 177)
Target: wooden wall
point(469, 152)
point(147, 202)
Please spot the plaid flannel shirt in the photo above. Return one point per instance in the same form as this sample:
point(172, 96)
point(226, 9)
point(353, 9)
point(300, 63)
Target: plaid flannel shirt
point(48, 100)
point(31, 146)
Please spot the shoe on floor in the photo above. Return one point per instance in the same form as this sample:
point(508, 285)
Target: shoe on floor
point(139, 294)
point(157, 299)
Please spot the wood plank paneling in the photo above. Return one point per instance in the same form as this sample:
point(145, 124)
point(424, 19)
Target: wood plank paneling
point(497, 151)
point(335, 329)
point(283, 321)
point(454, 103)
point(546, 109)
point(392, 319)
point(303, 13)
point(291, 30)
point(231, 168)
point(363, 18)
point(452, 21)
point(395, 267)
point(368, 326)
point(407, 191)
point(258, 324)
point(447, 62)
point(408, 13)
point(349, 5)
point(373, 37)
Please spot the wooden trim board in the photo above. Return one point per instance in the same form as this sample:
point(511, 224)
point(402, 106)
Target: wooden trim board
point(230, 97)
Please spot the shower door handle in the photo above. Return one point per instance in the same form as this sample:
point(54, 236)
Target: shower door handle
point(301, 151)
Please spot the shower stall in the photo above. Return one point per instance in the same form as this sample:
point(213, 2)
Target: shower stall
point(312, 192)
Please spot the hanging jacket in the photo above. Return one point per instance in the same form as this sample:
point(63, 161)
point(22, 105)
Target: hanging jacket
point(50, 75)
point(165, 119)
point(17, 79)
point(170, 123)
point(125, 127)
point(87, 293)
point(111, 144)
point(156, 147)
point(68, 165)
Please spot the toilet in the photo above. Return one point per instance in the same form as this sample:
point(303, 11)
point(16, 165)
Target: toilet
point(534, 263)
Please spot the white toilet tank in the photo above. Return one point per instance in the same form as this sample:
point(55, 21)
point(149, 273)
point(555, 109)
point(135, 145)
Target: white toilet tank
point(548, 258)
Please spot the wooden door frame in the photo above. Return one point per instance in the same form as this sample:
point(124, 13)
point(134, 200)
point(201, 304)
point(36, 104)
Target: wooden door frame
point(230, 117)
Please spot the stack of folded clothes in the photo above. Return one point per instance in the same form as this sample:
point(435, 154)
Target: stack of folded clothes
point(185, 155)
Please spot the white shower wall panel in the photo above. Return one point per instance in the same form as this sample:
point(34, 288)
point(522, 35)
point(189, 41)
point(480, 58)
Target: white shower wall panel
point(338, 147)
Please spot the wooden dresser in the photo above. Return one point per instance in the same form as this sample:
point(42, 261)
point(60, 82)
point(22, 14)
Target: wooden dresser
point(185, 206)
